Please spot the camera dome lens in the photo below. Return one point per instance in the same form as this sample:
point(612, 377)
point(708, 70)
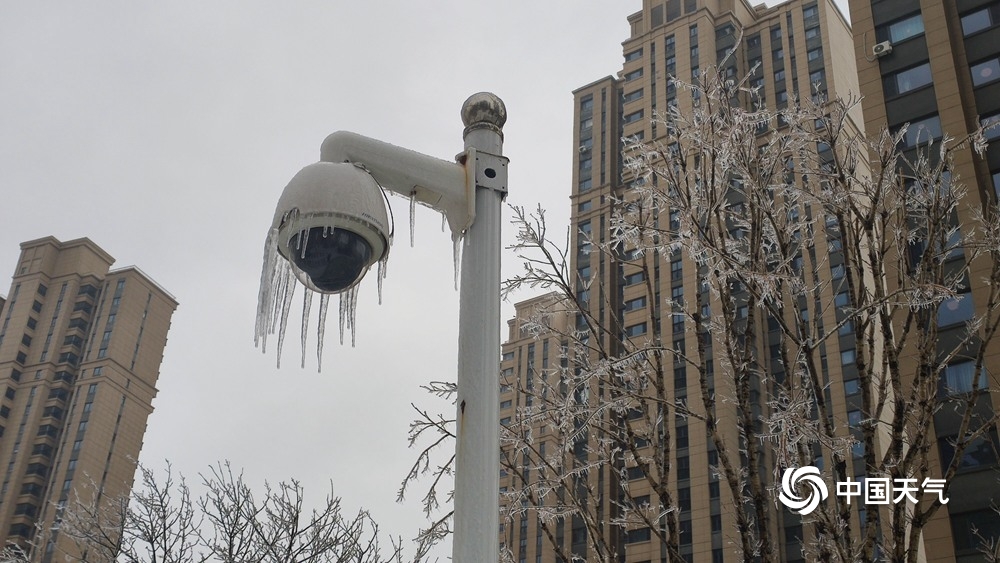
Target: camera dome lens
point(333, 259)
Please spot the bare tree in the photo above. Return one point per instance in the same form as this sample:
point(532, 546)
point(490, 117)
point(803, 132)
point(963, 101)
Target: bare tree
point(794, 240)
point(162, 523)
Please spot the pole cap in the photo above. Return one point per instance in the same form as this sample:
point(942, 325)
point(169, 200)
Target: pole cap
point(484, 110)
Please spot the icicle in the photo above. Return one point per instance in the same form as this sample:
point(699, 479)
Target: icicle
point(352, 314)
point(303, 241)
point(444, 221)
point(383, 264)
point(265, 296)
point(343, 316)
point(324, 303)
point(280, 282)
point(306, 305)
point(413, 215)
point(456, 249)
point(286, 305)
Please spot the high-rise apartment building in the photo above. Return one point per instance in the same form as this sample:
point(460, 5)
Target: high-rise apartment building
point(936, 66)
point(795, 47)
point(80, 351)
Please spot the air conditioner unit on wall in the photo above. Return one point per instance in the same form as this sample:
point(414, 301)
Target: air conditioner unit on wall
point(882, 49)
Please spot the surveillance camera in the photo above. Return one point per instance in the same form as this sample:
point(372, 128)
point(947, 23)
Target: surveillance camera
point(332, 225)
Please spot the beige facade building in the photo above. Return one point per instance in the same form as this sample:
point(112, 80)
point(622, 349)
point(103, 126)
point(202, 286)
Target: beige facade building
point(942, 71)
point(936, 66)
point(794, 46)
point(80, 351)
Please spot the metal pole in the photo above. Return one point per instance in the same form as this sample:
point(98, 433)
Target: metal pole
point(477, 461)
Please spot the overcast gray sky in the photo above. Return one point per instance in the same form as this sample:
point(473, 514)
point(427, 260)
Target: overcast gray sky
point(165, 132)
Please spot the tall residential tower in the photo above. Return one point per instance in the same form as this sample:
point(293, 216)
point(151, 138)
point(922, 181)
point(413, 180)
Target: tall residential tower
point(798, 49)
point(80, 352)
point(936, 66)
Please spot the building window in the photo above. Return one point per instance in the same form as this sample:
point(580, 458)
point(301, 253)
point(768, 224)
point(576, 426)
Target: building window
point(776, 34)
point(991, 126)
point(634, 473)
point(680, 378)
point(810, 12)
point(681, 435)
point(633, 56)
point(636, 536)
point(632, 117)
point(585, 185)
point(683, 467)
point(36, 307)
point(969, 528)
point(586, 163)
point(584, 206)
point(634, 75)
point(846, 329)
point(812, 32)
point(635, 330)
point(901, 30)
point(957, 378)
point(847, 357)
point(779, 75)
point(778, 54)
point(985, 72)
point(634, 304)
point(753, 41)
point(981, 19)
point(684, 531)
point(854, 418)
point(814, 54)
point(958, 309)
point(676, 270)
point(908, 80)
point(923, 131)
point(635, 278)
point(587, 124)
point(980, 451)
point(633, 96)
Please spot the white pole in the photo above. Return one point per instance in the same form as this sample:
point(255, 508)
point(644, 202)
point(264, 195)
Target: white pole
point(477, 461)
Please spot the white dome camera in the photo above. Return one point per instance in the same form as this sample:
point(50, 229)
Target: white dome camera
point(332, 225)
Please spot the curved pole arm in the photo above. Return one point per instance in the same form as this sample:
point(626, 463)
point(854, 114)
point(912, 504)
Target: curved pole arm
point(445, 186)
